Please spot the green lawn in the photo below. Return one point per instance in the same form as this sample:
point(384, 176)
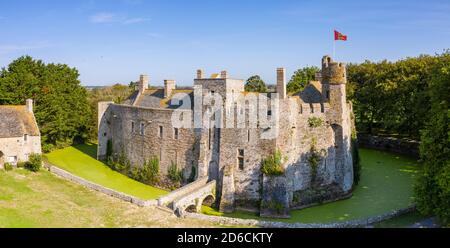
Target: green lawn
point(80, 160)
point(386, 184)
point(42, 199)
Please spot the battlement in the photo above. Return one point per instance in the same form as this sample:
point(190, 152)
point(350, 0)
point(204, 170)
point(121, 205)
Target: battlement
point(333, 72)
point(313, 108)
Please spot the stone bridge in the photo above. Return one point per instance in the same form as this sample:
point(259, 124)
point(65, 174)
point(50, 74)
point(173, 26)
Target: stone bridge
point(191, 197)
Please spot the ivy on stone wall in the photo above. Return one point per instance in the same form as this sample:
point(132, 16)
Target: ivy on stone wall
point(272, 165)
point(315, 122)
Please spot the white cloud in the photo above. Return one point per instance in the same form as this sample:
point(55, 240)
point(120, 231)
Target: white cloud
point(5, 49)
point(106, 17)
point(103, 17)
point(135, 20)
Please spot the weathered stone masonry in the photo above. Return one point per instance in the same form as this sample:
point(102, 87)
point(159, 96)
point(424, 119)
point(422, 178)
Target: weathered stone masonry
point(142, 128)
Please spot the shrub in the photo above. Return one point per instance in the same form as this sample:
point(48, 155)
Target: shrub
point(47, 148)
point(34, 163)
point(20, 164)
point(174, 174)
point(272, 165)
point(151, 170)
point(314, 158)
point(8, 166)
point(315, 122)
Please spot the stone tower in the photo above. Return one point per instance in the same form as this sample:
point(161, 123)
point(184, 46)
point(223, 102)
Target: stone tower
point(334, 79)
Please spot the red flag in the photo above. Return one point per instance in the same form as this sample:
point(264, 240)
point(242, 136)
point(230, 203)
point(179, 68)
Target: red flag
point(339, 36)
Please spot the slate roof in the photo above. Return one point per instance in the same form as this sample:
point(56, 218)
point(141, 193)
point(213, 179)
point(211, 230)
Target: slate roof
point(154, 98)
point(15, 121)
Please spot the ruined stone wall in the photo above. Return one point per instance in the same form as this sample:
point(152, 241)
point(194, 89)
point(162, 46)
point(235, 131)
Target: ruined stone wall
point(140, 147)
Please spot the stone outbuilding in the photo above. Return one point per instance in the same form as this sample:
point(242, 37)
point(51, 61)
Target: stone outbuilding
point(19, 133)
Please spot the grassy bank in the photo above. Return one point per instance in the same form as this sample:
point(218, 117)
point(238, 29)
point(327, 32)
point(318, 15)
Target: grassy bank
point(80, 160)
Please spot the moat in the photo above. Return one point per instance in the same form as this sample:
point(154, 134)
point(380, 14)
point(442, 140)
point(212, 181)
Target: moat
point(386, 184)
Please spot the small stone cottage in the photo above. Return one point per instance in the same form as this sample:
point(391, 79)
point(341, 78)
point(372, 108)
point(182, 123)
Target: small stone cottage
point(19, 133)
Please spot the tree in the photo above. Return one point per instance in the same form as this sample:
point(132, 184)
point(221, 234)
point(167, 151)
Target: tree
point(61, 107)
point(301, 78)
point(255, 84)
point(433, 187)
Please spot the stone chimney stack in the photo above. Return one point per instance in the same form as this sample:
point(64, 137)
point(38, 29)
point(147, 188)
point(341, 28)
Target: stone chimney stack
point(224, 74)
point(143, 83)
point(169, 87)
point(199, 74)
point(281, 83)
point(29, 104)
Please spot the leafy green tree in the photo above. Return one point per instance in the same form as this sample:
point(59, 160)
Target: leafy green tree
point(301, 79)
point(255, 84)
point(61, 106)
point(433, 187)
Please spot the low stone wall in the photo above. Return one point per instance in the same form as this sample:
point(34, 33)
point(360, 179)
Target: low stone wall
point(169, 198)
point(68, 176)
point(406, 147)
point(272, 224)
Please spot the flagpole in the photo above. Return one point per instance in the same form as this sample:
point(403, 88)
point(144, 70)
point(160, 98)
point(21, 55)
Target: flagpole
point(334, 49)
point(334, 44)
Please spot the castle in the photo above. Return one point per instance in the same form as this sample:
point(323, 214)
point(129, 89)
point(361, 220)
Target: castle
point(312, 133)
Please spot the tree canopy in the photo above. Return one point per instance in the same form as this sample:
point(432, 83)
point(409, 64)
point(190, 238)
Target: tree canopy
point(61, 107)
point(255, 84)
point(301, 79)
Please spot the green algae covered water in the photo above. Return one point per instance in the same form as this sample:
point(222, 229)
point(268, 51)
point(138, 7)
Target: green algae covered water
point(386, 184)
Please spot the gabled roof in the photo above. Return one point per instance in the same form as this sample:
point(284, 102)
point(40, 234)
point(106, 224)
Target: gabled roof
point(15, 121)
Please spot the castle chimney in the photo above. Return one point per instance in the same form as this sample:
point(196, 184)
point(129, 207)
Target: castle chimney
point(169, 87)
point(224, 74)
point(318, 76)
point(281, 83)
point(143, 83)
point(199, 74)
point(29, 104)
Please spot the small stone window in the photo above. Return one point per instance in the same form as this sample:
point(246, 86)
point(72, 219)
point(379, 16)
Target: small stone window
point(248, 135)
point(142, 129)
point(328, 94)
point(25, 137)
point(175, 133)
point(241, 159)
point(161, 131)
point(269, 112)
point(132, 127)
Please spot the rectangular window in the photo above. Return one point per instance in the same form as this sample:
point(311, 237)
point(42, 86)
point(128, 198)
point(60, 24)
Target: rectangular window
point(175, 133)
point(25, 137)
point(209, 138)
point(142, 129)
point(328, 94)
point(161, 131)
point(241, 159)
point(269, 112)
point(248, 135)
point(132, 126)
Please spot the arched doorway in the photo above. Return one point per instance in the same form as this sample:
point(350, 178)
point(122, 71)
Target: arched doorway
point(191, 209)
point(209, 201)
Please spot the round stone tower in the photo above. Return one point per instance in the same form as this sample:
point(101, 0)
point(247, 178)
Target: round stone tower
point(333, 72)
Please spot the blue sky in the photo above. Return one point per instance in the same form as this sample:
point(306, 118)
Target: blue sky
point(114, 41)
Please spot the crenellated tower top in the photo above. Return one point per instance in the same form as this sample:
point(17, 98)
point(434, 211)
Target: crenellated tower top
point(333, 72)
